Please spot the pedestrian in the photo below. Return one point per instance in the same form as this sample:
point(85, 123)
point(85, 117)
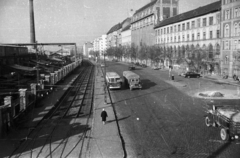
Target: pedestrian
point(104, 116)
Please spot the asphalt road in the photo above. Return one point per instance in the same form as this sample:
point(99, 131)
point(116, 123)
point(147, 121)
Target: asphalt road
point(165, 120)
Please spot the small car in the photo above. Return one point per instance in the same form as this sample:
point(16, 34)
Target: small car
point(155, 67)
point(131, 67)
point(192, 74)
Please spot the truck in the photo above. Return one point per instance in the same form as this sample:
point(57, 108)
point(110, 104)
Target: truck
point(226, 118)
point(132, 80)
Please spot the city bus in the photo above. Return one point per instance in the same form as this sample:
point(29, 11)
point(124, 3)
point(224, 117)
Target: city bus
point(132, 80)
point(113, 80)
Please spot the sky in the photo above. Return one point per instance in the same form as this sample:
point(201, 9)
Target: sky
point(76, 21)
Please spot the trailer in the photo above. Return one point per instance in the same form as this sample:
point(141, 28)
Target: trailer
point(132, 80)
point(227, 119)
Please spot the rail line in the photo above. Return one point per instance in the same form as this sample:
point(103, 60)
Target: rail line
point(67, 125)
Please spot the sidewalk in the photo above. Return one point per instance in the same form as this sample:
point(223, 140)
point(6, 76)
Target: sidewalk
point(105, 140)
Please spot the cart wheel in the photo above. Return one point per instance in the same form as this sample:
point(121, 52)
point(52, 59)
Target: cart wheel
point(207, 122)
point(224, 134)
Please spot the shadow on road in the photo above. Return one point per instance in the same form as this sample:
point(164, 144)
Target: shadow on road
point(123, 118)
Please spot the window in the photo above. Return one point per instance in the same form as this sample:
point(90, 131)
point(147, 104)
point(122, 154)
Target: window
point(211, 20)
point(204, 21)
point(236, 12)
point(164, 30)
point(183, 38)
point(238, 29)
point(183, 27)
point(178, 38)
point(175, 28)
point(226, 30)
point(188, 25)
point(193, 37)
point(198, 36)
point(235, 29)
point(175, 39)
point(168, 30)
point(198, 22)
point(226, 45)
point(218, 34)
point(187, 37)
point(179, 27)
point(227, 14)
point(204, 35)
point(235, 45)
point(218, 18)
point(193, 24)
point(210, 35)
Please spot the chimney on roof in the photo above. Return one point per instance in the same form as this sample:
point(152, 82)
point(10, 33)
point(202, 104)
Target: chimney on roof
point(131, 12)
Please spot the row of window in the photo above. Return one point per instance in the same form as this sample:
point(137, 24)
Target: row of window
point(143, 22)
point(228, 1)
point(236, 13)
point(188, 25)
point(236, 30)
point(188, 38)
point(142, 14)
point(227, 45)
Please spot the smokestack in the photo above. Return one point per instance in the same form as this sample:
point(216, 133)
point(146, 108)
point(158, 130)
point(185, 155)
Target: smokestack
point(32, 25)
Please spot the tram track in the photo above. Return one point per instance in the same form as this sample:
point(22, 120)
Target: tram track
point(71, 108)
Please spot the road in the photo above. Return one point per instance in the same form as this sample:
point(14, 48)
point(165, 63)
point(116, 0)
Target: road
point(165, 120)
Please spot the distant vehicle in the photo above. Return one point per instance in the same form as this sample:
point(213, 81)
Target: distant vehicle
point(143, 65)
point(226, 118)
point(113, 80)
point(191, 74)
point(132, 80)
point(131, 67)
point(137, 63)
point(155, 67)
point(115, 60)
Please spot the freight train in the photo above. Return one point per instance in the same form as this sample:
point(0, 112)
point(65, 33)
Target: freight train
point(7, 50)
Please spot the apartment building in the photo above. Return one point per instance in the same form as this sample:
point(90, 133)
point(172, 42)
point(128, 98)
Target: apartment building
point(126, 32)
point(114, 36)
point(230, 46)
point(144, 19)
point(192, 34)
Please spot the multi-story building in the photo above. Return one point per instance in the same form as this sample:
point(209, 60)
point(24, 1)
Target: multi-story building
point(145, 18)
point(192, 34)
point(86, 47)
point(230, 46)
point(96, 44)
point(102, 43)
point(126, 32)
point(113, 36)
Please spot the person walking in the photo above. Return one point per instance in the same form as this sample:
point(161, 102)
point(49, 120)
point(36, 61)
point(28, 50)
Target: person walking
point(104, 116)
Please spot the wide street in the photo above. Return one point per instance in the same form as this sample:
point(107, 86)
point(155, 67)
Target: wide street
point(165, 119)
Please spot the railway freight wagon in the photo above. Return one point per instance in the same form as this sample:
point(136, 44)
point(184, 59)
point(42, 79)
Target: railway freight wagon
point(132, 80)
point(6, 51)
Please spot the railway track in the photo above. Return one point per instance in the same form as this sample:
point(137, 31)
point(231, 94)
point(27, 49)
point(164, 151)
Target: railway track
point(65, 131)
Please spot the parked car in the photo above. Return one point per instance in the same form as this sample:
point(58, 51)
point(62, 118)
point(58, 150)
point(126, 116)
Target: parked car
point(155, 67)
point(192, 74)
point(143, 65)
point(131, 67)
point(226, 118)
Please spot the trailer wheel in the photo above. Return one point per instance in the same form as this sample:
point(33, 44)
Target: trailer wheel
point(207, 122)
point(224, 134)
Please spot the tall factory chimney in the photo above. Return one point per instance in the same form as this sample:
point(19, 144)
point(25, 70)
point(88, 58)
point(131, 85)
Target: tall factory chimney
point(32, 25)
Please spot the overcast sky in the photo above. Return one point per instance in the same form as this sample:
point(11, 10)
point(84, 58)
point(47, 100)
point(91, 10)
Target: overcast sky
point(75, 21)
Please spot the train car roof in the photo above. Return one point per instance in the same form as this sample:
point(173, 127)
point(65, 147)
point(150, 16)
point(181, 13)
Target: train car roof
point(112, 74)
point(130, 74)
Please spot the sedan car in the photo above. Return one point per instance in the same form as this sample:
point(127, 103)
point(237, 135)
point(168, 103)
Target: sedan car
point(192, 74)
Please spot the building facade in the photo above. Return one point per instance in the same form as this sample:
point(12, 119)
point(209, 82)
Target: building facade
point(144, 19)
point(230, 45)
point(114, 36)
point(126, 32)
point(86, 47)
point(192, 35)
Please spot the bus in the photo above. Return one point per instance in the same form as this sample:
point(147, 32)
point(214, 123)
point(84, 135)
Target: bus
point(113, 80)
point(132, 80)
